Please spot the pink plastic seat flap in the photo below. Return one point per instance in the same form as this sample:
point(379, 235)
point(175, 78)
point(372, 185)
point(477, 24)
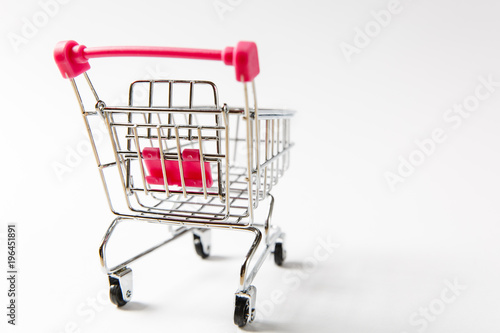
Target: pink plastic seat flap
point(190, 164)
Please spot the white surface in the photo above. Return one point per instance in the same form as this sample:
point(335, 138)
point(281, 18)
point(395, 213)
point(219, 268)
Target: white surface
point(396, 249)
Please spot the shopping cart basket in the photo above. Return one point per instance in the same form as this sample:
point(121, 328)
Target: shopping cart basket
point(187, 161)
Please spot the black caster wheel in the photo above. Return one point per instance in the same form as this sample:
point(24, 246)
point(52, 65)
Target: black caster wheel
point(279, 254)
point(116, 296)
point(244, 307)
point(120, 286)
point(201, 241)
point(242, 311)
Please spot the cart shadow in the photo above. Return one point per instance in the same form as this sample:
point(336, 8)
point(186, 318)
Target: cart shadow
point(293, 265)
point(135, 306)
point(268, 326)
point(218, 258)
point(261, 326)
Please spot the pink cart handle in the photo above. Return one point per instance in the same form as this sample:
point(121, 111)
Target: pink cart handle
point(73, 59)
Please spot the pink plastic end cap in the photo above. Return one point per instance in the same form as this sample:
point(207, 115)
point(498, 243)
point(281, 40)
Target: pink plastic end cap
point(245, 59)
point(70, 59)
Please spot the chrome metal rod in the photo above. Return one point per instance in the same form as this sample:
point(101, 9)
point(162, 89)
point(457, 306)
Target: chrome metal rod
point(247, 281)
point(102, 249)
point(151, 249)
point(249, 256)
point(272, 159)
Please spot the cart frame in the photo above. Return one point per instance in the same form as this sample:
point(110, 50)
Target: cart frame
point(239, 192)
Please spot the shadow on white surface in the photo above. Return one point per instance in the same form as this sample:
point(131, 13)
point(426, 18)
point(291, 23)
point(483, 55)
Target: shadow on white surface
point(136, 306)
point(271, 326)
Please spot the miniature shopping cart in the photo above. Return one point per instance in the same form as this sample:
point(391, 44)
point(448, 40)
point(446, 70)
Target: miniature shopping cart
point(184, 160)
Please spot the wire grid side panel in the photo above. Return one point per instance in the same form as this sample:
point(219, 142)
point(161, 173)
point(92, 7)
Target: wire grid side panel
point(189, 94)
point(171, 140)
point(274, 140)
point(172, 132)
point(272, 143)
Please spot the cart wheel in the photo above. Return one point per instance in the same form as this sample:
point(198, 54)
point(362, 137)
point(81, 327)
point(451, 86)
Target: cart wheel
point(242, 311)
point(115, 294)
point(279, 254)
point(244, 306)
point(120, 286)
point(201, 241)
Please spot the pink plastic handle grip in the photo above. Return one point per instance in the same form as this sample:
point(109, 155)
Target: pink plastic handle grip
point(73, 58)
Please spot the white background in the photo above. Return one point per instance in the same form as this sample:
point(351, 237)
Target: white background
point(397, 251)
